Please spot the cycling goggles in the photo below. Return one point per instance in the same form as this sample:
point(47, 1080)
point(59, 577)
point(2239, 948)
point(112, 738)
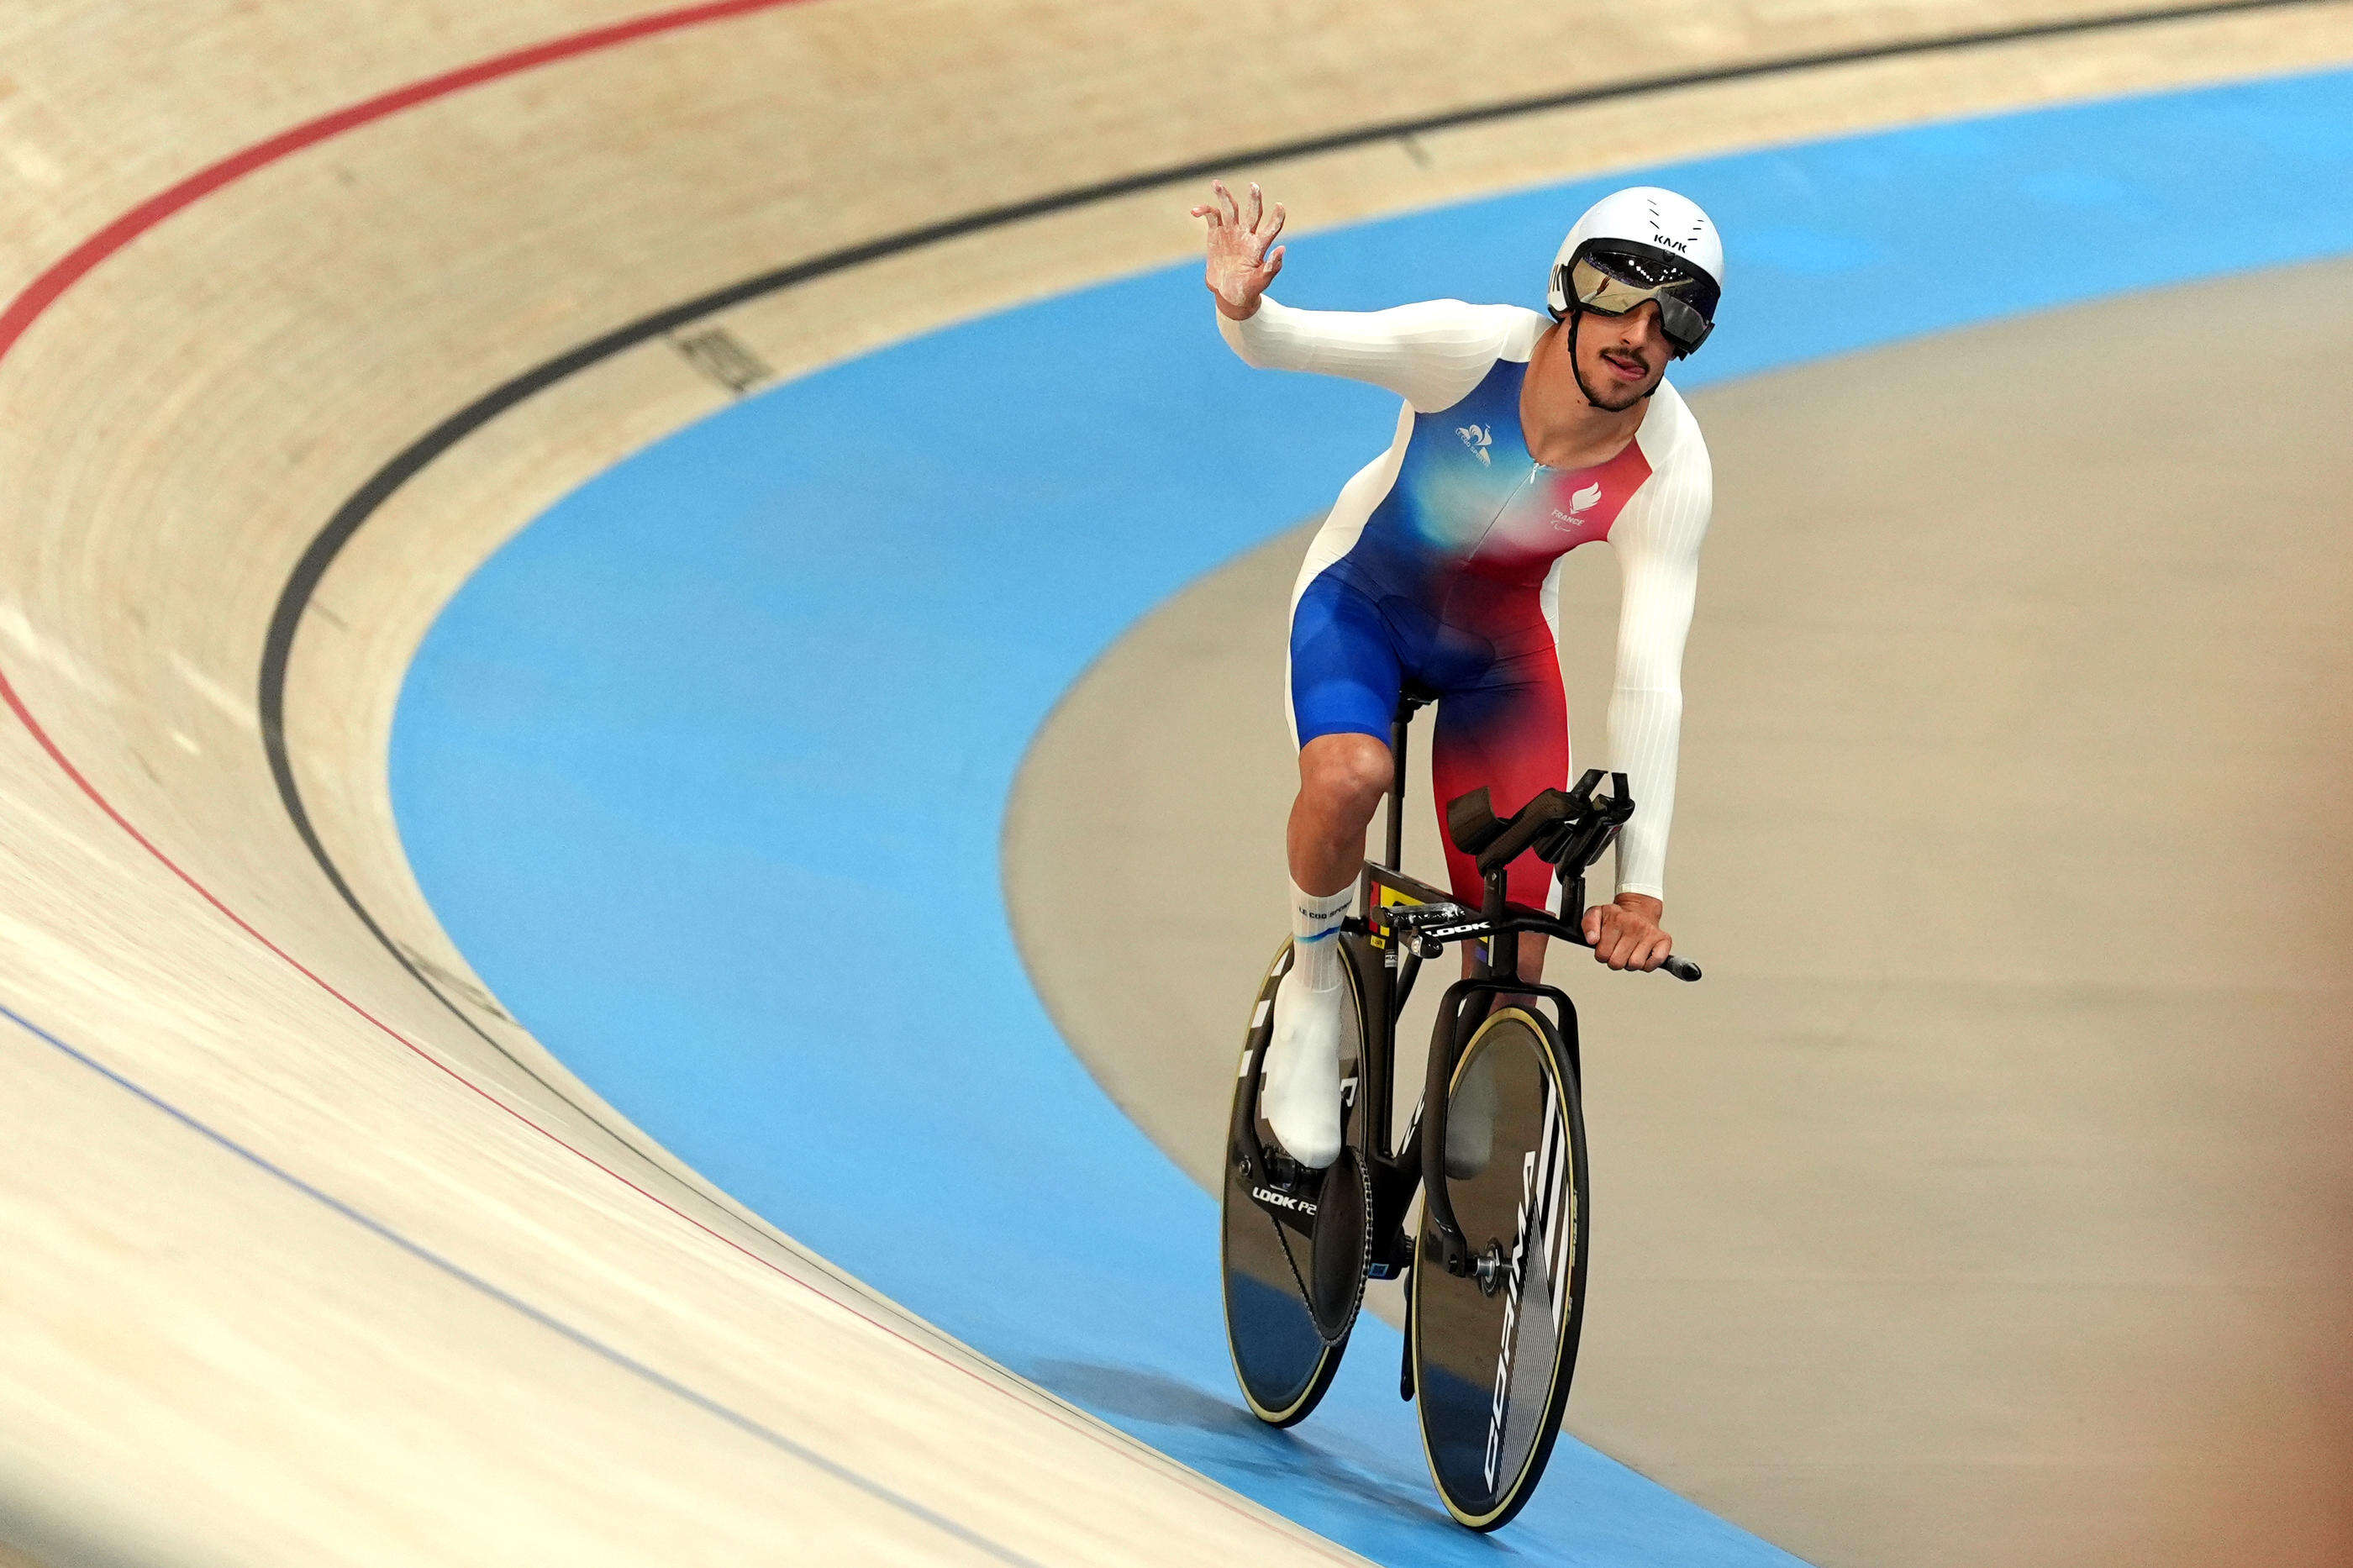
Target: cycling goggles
point(1610, 283)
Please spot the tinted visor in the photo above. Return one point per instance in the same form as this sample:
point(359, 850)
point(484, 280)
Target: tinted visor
point(1611, 282)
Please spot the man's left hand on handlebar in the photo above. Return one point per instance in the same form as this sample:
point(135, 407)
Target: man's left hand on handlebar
point(1625, 935)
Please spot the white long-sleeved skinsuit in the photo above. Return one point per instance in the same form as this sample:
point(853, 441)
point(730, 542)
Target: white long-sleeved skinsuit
point(1439, 564)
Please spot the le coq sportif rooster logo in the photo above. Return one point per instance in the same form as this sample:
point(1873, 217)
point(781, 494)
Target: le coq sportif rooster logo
point(1478, 438)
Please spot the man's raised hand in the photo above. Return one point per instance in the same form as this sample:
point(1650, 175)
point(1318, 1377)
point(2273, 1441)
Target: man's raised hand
point(1241, 264)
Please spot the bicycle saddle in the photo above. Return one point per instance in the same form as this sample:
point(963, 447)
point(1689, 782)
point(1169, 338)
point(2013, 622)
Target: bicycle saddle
point(1413, 695)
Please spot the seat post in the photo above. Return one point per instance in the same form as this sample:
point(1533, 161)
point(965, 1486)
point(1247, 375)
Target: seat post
point(1393, 833)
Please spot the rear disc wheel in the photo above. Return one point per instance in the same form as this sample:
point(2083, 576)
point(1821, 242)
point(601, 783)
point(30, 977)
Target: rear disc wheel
point(1292, 1241)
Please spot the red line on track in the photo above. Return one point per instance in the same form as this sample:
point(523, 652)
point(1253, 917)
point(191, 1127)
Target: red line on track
point(61, 275)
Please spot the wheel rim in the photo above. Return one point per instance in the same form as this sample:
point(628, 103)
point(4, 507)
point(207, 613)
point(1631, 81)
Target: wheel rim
point(1494, 1351)
point(1289, 1308)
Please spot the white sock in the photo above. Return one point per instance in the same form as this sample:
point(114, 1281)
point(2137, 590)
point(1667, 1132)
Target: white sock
point(1300, 1097)
point(1315, 935)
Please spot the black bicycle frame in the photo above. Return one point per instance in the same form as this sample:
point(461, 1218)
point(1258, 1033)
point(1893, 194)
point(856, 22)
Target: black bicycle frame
point(1396, 1173)
point(1393, 1173)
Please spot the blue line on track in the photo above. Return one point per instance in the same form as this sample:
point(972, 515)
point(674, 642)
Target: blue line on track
point(705, 771)
point(545, 1319)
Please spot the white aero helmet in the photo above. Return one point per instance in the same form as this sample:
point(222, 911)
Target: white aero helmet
point(1638, 245)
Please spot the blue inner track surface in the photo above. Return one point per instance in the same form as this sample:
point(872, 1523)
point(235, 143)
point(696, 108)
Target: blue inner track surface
point(705, 771)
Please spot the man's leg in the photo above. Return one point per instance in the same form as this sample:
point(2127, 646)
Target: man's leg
point(1509, 732)
point(1345, 680)
point(1341, 780)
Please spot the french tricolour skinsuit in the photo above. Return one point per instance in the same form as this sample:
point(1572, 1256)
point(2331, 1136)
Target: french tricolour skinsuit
point(1439, 563)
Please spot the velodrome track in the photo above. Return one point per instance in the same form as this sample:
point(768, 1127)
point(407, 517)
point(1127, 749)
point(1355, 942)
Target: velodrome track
point(318, 1256)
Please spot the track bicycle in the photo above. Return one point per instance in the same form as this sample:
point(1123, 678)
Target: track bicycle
point(1496, 1149)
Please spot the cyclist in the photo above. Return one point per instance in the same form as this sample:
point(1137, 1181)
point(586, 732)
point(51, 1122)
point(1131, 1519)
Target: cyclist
point(1520, 438)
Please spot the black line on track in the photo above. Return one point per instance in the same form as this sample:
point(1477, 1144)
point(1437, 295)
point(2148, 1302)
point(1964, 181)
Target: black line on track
point(295, 598)
point(539, 1315)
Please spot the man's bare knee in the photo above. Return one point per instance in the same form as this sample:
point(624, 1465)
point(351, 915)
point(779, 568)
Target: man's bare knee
point(1344, 774)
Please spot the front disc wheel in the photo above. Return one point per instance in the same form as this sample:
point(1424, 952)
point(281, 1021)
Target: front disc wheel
point(1493, 1346)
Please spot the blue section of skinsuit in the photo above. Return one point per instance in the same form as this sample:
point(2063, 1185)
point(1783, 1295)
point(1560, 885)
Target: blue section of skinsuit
point(705, 771)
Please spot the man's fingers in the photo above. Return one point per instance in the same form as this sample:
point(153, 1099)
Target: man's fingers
point(1207, 212)
point(1273, 263)
point(1256, 207)
point(1625, 940)
point(1233, 211)
point(1276, 226)
point(1630, 944)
